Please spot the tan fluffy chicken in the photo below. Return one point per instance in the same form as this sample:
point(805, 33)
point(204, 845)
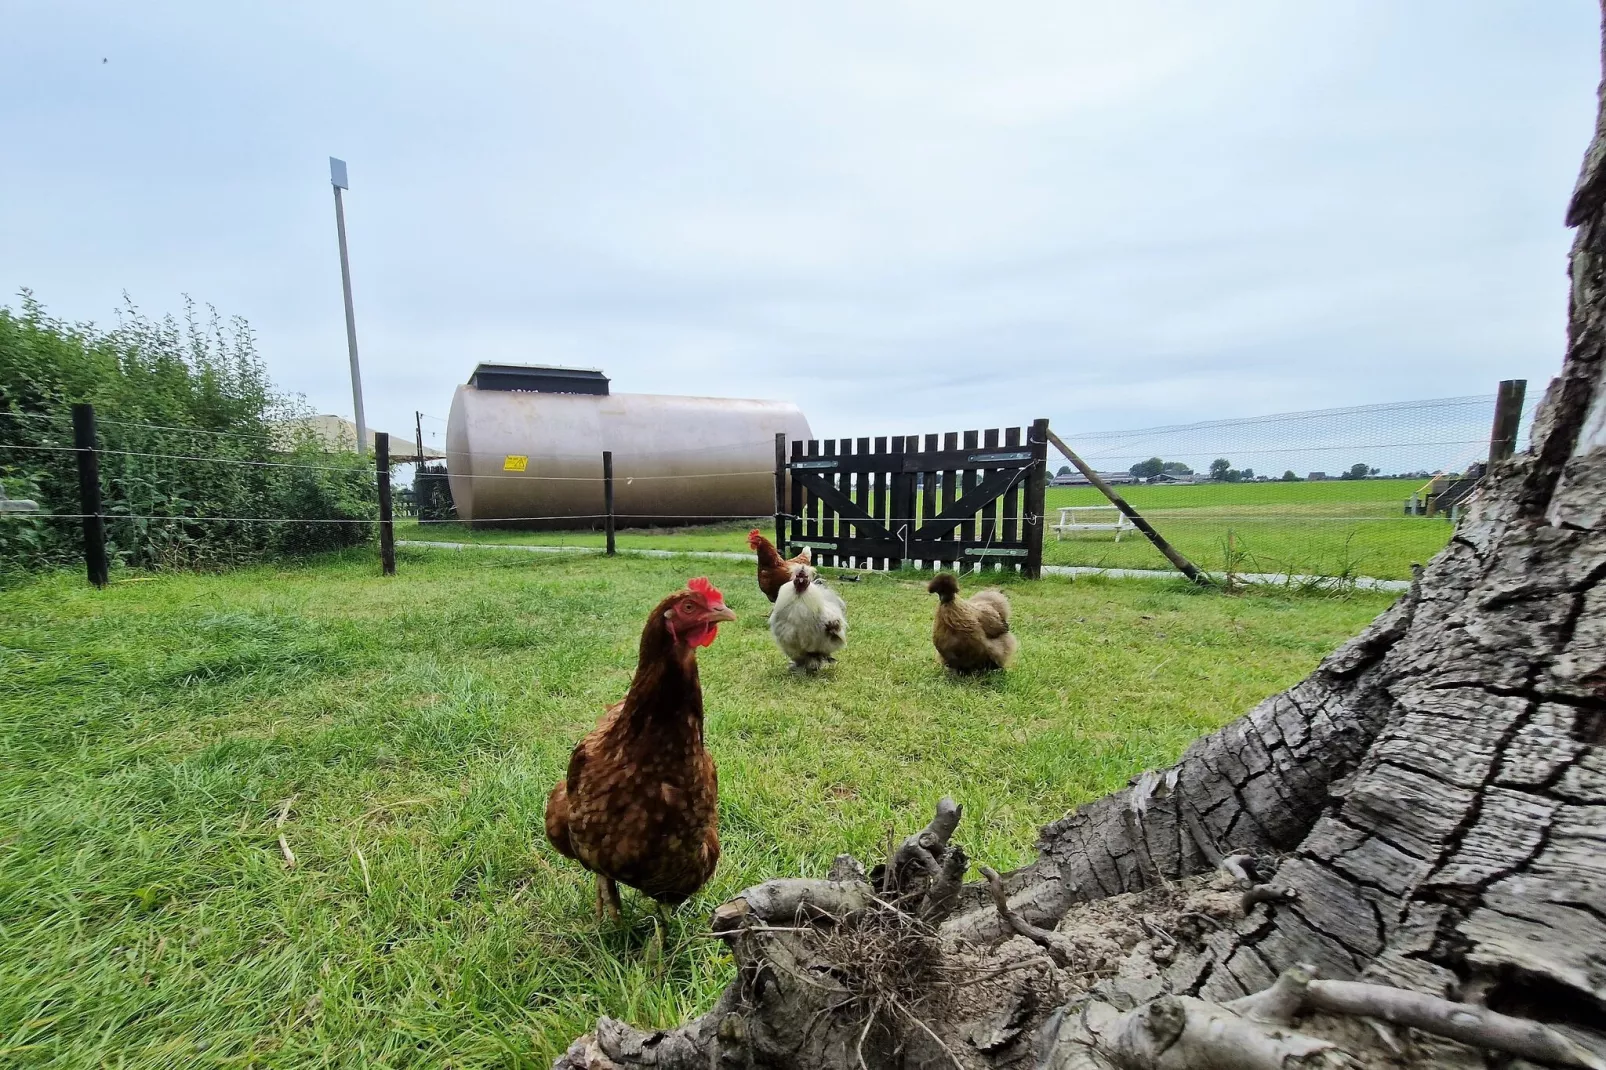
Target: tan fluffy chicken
point(971, 634)
point(773, 570)
point(638, 806)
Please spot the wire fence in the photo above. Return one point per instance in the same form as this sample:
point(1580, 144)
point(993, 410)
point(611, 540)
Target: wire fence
point(176, 496)
point(1349, 491)
point(1361, 491)
point(166, 501)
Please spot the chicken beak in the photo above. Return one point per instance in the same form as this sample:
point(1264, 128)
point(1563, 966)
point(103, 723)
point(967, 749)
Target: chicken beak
point(718, 613)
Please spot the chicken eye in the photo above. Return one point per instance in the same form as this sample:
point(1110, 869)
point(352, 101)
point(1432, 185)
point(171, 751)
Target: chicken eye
point(687, 609)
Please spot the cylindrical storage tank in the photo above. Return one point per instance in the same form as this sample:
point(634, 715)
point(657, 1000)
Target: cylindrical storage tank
point(676, 460)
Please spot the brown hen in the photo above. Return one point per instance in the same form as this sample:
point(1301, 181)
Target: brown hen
point(773, 570)
point(639, 804)
point(971, 634)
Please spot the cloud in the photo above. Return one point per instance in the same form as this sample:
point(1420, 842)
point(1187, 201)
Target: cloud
point(902, 216)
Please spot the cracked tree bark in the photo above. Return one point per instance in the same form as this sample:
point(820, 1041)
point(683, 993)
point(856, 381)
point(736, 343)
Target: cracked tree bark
point(1426, 811)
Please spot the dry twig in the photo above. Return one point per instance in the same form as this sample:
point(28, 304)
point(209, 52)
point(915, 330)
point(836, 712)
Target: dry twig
point(284, 844)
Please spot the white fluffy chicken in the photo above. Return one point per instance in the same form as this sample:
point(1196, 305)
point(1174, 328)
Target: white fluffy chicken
point(809, 621)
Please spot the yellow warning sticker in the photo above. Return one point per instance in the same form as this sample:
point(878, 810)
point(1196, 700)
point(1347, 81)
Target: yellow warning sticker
point(515, 462)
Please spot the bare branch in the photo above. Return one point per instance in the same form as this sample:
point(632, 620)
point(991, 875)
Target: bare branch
point(1060, 949)
point(1180, 1032)
point(1465, 1022)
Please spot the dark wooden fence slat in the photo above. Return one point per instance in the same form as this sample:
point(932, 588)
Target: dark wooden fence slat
point(811, 522)
point(897, 506)
point(968, 478)
point(950, 491)
point(881, 480)
point(928, 494)
point(989, 509)
point(861, 496)
point(1036, 498)
point(828, 510)
point(1010, 530)
point(794, 522)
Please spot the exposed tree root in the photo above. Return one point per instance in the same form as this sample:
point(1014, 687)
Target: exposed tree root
point(1266, 893)
point(1254, 1033)
point(1060, 949)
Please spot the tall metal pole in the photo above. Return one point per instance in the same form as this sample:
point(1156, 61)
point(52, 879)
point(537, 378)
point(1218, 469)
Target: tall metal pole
point(337, 179)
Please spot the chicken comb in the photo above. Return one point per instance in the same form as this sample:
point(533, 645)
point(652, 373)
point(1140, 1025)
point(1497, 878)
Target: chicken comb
point(701, 586)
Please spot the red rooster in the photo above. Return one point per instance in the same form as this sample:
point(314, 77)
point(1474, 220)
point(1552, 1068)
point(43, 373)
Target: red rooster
point(774, 571)
point(638, 806)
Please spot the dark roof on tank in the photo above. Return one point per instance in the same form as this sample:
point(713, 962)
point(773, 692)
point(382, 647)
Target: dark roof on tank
point(540, 378)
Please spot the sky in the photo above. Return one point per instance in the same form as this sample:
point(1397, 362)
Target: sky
point(900, 216)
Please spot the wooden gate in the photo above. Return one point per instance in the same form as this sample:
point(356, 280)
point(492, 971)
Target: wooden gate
point(972, 501)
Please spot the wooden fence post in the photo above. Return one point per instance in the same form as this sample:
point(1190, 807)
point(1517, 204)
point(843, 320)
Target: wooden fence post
point(607, 497)
point(387, 527)
point(780, 492)
point(1507, 420)
point(83, 434)
point(1036, 499)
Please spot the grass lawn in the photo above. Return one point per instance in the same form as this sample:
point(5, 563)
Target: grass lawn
point(151, 733)
point(1326, 528)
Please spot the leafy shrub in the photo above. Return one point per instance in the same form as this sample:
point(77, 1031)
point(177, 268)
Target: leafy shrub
point(197, 467)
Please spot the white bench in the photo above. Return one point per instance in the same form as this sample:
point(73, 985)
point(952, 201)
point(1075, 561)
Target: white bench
point(1070, 521)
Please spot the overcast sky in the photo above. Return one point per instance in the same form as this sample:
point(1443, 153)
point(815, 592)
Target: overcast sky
point(902, 216)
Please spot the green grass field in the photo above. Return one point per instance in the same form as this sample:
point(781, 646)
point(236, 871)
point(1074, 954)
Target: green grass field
point(1331, 528)
point(152, 733)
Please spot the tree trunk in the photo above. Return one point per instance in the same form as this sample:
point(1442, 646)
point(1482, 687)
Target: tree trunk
point(1426, 813)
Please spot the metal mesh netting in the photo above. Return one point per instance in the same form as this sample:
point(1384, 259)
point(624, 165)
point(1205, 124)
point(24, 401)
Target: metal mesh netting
point(1353, 491)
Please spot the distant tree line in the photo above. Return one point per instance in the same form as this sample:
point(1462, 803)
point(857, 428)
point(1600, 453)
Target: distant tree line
point(1222, 471)
point(1155, 466)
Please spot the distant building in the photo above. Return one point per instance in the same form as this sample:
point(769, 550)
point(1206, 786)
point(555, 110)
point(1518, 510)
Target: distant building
point(337, 434)
point(1077, 479)
point(1316, 476)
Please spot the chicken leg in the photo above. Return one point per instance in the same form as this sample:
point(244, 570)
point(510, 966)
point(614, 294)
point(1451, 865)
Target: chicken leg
point(660, 933)
point(607, 898)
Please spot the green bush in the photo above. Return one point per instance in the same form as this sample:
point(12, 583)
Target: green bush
point(197, 466)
